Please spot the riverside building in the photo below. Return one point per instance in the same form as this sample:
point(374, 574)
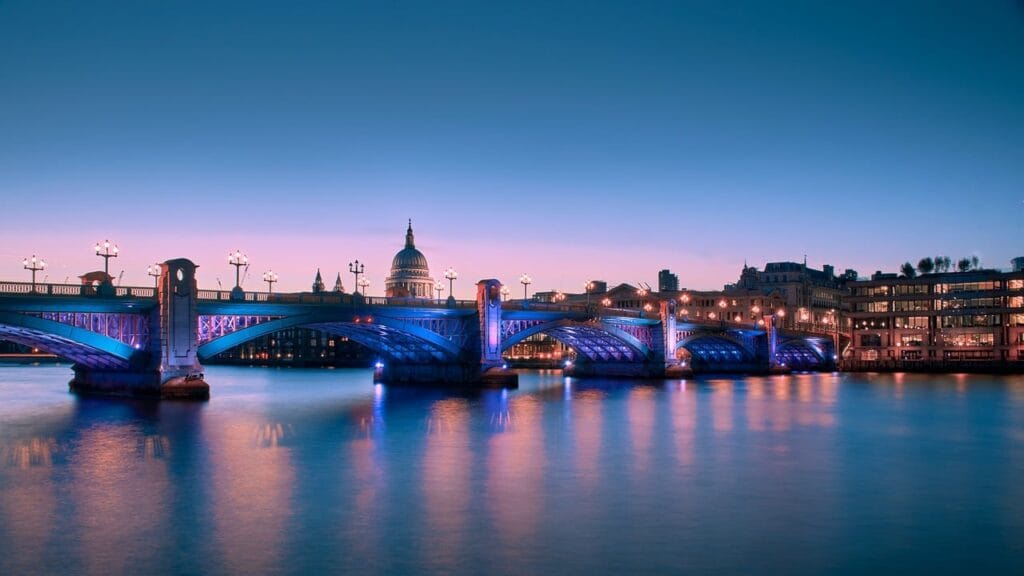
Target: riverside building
point(943, 321)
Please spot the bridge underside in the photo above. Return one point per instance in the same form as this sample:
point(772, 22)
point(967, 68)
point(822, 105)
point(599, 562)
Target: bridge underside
point(595, 345)
point(803, 354)
point(67, 348)
point(392, 344)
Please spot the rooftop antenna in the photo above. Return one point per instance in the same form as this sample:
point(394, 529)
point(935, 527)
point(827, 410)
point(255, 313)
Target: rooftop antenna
point(219, 287)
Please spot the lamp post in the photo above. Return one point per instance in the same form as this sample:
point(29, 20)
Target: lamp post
point(364, 284)
point(237, 259)
point(525, 280)
point(451, 275)
point(588, 286)
point(505, 292)
point(438, 288)
point(106, 251)
point(154, 271)
point(357, 269)
point(558, 297)
point(270, 277)
point(34, 265)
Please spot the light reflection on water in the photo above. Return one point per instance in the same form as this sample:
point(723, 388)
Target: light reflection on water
point(293, 471)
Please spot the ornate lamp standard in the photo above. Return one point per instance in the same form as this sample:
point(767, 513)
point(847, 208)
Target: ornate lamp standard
point(270, 277)
point(357, 269)
point(106, 251)
point(438, 288)
point(34, 265)
point(154, 271)
point(588, 286)
point(237, 259)
point(525, 280)
point(505, 292)
point(722, 304)
point(451, 275)
point(364, 284)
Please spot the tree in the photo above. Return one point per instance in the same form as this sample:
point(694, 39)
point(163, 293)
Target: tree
point(975, 263)
point(963, 264)
point(908, 270)
point(925, 265)
point(942, 263)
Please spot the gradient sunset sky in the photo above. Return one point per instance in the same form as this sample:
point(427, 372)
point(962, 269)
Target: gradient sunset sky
point(569, 140)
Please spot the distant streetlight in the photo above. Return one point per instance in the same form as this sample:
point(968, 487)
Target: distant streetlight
point(606, 302)
point(106, 251)
point(684, 298)
point(364, 284)
point(438, 287)
point(525, 280)
point(270, 277)
point(505, 292)
point(34, 265)
point(722, 304)
point(451, 275)
point(237, 259)
point(154, 271)
point(357, 269)
point(588, 286)
point(558, 297)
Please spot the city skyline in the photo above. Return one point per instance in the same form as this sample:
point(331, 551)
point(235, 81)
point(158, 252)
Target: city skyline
point(570, 142)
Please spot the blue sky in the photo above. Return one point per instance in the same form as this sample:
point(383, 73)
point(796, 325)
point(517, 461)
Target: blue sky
point(567, 140)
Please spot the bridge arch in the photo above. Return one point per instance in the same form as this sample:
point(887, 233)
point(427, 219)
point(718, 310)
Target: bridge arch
point(715, 349)
point(392, 338)
point(802, 353)
point(76, 344)
point(595, 341)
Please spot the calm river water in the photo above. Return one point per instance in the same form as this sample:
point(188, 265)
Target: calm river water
point(289, 471)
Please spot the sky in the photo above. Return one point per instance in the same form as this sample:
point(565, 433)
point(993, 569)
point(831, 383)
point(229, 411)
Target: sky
point(567, 140)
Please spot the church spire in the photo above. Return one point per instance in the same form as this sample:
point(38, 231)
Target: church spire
point(408, 236)
point(318, 282)
point(338, 287)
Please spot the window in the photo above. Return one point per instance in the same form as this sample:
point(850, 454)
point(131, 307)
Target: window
point(870, 340)
point(920, 322)
point(912, 340)
point(972, 340)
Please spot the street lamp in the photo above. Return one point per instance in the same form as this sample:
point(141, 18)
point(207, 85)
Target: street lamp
point(357, 269)
point(558, 297)
point(588, 287)
point(505, 292)
point(606, 302)
point(451, 275)
point(154, 271)
point(270, 277)
point(525, 280)
point(237, 259)
point(34, 265)
point(438, 287)
point(722, 304)
point(364, 284)
point(106, 251)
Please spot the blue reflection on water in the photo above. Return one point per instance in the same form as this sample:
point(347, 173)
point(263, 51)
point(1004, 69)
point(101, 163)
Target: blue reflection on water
point(313, 471)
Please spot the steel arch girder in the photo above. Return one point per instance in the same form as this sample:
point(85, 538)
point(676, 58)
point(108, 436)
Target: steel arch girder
point(228, 341)
point(641, 349)
point(77, 344)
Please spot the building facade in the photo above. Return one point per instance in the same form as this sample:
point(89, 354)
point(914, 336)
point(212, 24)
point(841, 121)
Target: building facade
point(946, 319)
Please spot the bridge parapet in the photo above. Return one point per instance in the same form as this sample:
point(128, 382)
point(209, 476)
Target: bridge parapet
point(28, 289)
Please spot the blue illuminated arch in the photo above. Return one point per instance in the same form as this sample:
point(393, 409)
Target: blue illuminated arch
point(584, 337)
point(76, 344)
point(715, 349)
point(374, 335)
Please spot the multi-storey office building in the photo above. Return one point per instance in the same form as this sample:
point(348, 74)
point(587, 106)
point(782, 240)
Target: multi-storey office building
point(937, 319)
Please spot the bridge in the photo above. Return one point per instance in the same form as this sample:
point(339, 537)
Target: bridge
point(153, 341)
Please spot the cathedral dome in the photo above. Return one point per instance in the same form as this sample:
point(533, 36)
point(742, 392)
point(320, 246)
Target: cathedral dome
point(410, 275)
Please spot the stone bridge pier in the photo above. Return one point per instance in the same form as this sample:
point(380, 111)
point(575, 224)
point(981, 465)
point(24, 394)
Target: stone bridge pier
point(169, 367)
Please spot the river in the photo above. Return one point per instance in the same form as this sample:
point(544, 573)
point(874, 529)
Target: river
point(317, 471)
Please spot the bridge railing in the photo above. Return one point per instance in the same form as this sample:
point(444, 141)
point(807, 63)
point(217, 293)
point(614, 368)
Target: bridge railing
point(38, 289)
point(330, 298)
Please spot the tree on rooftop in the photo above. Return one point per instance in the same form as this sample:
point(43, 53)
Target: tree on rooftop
point(925, 265)
point(908, 270)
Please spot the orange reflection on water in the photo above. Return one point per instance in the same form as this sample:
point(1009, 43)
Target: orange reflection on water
point(447, 469)
point(587, 424)
point(28, 498)
point(253, 480)
point(781, 402)
point(515, 472)
point(118, 494)
point(683, 407)
point(722, 405)
point(640, 407)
